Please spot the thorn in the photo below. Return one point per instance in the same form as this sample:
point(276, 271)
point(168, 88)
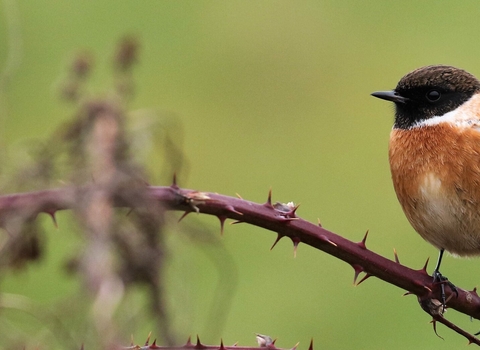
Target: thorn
point(189, 342)
point(279, 237)
point(221, 344)
point(367, 275)
point(148, 338)
point(268, 203)
point(434, 322)
point(310, 347)
point(184, 214)
point(396, 256)
point(326, 239)
point(52, 215)
point(292, 213)
point(222, 223)
point(174, 183)
point(154, 345)
point(358, 269)
point(131, 339)
point(295, 346)
point(237, 222)
point(232, 210)
point(424, 268)
point(364, 240)
point(82, 347)
point(240, 197)
point(286, 220)
point(235, 344)
point(318, 222)
point(199, 344)
point(407, 293)
point(295, 241)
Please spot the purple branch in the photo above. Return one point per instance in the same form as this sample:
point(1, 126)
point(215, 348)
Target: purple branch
point(282, 219)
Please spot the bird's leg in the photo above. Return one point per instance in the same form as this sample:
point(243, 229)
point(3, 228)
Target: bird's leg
point(437, 276)
point(442, 280)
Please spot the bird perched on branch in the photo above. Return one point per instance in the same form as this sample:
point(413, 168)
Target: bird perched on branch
point(434, 155)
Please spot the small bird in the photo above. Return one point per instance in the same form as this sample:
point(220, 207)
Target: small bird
point(434, 154)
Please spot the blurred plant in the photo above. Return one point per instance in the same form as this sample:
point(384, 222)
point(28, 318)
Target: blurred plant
point(93, 154)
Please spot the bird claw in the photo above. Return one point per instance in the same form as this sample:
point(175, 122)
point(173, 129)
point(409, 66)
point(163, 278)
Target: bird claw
point(438, 278)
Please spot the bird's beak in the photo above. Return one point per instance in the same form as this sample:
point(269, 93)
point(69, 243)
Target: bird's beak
point(390, 96)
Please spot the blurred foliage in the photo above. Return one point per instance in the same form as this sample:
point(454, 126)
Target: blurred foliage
point(254, 95)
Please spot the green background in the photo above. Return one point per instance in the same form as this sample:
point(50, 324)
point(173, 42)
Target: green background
point(269, 94)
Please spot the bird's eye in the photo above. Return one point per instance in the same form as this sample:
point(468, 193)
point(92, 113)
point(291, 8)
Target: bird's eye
point(433, 95)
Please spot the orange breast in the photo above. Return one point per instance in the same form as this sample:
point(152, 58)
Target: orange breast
point(436, 175)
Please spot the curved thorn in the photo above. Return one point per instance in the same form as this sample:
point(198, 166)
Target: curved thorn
point(268, 203)
point(364, 240)
point(293, 211)
point(424, 268)
point(52, 215)
point(199, 343)
point(148, 338)
point(295, 346)
point(189, 342)
point(367, 275)
point(279, 237)
point(232, 210)
point(237, 222)
point(183, 215)
point(358, 269)
point(434, 322)
point(174, 182)
point(397, 260)
point(318, 222)
point(240, 197)
point(326, 239)
point(284, 219)
point(295, 241)
point(427, 288)
point(222, 223)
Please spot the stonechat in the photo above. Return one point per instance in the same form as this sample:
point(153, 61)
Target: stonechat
point(434, 154)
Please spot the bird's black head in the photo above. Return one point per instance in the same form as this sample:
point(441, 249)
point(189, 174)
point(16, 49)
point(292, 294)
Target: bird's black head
point(428, 92)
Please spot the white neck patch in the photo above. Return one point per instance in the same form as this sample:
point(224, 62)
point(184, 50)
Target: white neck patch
point(467, 115)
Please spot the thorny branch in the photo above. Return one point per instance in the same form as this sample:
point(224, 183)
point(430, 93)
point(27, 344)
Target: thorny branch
point(264, 342)
point(282, 219)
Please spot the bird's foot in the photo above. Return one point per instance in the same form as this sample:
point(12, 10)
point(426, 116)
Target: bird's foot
point(438, 278)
